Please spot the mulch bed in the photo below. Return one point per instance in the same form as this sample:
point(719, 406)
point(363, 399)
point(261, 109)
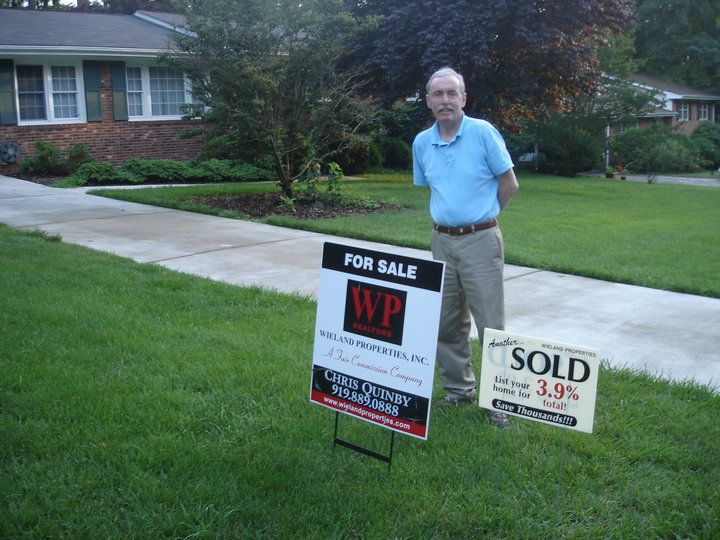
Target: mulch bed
point(265, 204)
point(260, 205)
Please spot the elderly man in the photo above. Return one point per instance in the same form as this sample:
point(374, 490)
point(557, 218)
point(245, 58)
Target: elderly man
point(465, 164)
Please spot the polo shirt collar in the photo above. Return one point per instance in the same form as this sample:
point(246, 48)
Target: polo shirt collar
point(436, 140)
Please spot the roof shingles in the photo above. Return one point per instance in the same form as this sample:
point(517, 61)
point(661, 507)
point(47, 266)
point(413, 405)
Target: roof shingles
point(73, 30)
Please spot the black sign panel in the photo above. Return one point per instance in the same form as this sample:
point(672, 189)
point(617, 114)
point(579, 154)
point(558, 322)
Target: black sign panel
point(375, 311)
point(420, 273)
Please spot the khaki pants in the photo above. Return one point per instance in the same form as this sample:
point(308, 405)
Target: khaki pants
point(473, 284)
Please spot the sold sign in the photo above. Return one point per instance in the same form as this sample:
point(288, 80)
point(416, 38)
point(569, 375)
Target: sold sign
point(550, 382)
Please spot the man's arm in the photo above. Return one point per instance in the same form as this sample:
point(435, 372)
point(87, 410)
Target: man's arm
point(507, 187)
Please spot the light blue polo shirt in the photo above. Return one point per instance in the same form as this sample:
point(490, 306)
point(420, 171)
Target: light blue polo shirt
point(462, 174)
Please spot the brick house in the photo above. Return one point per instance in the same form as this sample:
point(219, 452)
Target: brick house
point(93, 78)
point(684, 107)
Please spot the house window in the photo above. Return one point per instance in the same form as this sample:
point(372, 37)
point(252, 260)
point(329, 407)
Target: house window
point(48, 94)
point(31, 92)
point(64, 95)
point(167, 91)
point(156, 92)
point(703, 111)
point(134, 91)
point(683, 111)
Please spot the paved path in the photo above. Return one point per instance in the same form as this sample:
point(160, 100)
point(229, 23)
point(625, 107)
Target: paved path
point(676, 335)
point(662, 179)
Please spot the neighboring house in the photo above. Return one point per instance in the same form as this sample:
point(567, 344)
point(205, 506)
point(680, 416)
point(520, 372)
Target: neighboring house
point(93, 78)
point(684, 107)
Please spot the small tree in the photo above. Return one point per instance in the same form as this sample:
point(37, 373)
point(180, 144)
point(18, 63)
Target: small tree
point(265, 73)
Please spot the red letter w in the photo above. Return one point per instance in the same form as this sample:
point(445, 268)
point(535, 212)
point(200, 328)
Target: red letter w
point(364, 305)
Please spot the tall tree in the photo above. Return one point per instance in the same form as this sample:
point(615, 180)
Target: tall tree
point(517, 56)
point(680, 40)
point(32, 4)
point(265, 73)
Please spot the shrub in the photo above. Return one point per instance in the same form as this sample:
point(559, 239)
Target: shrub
point(308, 191)
point(221, 147)
point(77, 155)
point(160, 170)
point(355, 157)
point(48, 159)
point(398, 154)
point(51, 160)
point(333, 183)
point(654, 150)
point(98, 172)
point(211, 170)
point(375, 158)
point(222, 170)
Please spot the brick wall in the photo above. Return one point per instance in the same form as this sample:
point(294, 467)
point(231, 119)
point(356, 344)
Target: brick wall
point(110, 140)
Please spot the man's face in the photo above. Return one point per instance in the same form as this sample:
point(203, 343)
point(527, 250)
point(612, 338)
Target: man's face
point(445, 99)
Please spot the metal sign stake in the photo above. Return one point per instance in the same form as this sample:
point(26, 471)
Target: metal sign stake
point(352, 446)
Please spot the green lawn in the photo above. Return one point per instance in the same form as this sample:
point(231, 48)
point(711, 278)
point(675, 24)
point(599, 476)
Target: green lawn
point(136, 402)
point(660, 236)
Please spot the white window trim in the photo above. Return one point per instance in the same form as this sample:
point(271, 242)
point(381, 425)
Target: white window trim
point(683, 110)
point(703, 111)
point(48, 93)
point(147, 96)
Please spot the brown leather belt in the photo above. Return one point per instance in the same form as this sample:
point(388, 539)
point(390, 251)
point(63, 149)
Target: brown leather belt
point(465, 229)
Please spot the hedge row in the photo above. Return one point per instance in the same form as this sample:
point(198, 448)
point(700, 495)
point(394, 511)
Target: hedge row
point(153, 171)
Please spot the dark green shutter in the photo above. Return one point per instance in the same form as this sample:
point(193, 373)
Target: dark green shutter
point(8, 115)
point(119, 89)
point(93, 106)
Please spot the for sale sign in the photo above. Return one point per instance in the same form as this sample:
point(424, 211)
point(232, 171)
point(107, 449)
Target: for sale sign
point(376, 336)
point(550, 382)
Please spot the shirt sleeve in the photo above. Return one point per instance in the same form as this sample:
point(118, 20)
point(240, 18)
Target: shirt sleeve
point(498, 158)
point(418, 173)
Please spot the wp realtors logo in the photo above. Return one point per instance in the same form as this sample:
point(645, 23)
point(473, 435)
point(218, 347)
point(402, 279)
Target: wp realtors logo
point(375, 311)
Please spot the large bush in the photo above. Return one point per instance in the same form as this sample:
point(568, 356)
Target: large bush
point(357, 156)
point(706, 142)
point(655, 150)
point(397, 153)
point(569, 145)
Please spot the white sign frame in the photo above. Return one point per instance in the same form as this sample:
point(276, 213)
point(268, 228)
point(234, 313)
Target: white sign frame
point(376, 337)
